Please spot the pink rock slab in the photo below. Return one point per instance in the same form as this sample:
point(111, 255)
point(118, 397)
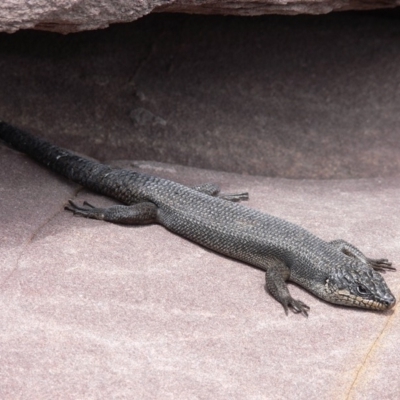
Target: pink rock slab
point(94, 310)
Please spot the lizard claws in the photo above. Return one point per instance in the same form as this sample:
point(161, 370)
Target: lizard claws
point(381, 264)
point(71, 207)
point(297, 306)
point(78, 210)
point(85, 203)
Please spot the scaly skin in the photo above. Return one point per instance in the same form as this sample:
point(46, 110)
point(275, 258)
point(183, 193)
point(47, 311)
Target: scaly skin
point(336, 272)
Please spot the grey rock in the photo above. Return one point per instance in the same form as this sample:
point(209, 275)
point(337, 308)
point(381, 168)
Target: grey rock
point(67, 16)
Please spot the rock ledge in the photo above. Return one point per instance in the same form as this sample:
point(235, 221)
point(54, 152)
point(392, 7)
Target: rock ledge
point(66, 16)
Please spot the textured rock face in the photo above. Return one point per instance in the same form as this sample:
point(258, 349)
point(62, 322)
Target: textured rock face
point(67, 16)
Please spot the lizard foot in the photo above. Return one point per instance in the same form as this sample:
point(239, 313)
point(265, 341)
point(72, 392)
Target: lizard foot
point(87, 211)
point(138, 213)
point(213, 190)
point(381, 264)
point(235, 197)
point(297, 306)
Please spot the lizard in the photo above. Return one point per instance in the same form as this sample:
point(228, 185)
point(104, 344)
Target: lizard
point(334, 271)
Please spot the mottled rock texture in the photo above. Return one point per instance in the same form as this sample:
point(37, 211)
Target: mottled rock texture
point(296, 97)
point(67, 16)
point(92, 310)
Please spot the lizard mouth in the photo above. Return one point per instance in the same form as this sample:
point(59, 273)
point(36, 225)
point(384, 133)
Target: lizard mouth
point(381, 304)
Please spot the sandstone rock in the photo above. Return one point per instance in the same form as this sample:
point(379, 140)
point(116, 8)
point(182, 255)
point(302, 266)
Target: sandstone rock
point(66, 16)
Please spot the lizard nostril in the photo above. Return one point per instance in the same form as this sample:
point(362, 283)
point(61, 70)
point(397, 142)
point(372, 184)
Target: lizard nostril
point(390, 302)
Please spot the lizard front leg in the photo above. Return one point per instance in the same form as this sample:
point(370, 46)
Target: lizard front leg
point(275, 276)
point(381, 264)
point(140, 213)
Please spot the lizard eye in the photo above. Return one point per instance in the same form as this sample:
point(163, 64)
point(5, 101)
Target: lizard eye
point(362, 290)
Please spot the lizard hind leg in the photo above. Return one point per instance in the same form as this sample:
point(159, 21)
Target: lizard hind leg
point(213, 190)
point(380, 264)
point(140, 213)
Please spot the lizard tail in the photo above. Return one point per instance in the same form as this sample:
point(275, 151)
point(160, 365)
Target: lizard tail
point(79, 169)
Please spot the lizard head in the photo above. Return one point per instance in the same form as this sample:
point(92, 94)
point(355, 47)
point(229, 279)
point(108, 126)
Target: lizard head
point(358, 285)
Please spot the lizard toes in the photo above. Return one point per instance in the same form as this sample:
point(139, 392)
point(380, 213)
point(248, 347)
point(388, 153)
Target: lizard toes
point(381, 264)
point(78, 210)
point(297, 306)
point(71, 206)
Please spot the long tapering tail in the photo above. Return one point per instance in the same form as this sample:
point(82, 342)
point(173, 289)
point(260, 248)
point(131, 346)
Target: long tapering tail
point(79, 169)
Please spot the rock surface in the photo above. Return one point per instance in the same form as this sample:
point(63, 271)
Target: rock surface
point(67, 16)
point(296, 97)
point(92, 310)
point(95, 310)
